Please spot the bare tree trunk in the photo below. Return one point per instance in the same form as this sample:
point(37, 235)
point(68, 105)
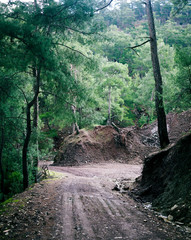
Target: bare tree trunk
point(109, 107)
point(28, 133)
point(35, 127)
point(162, 127)
point(25, 149)
point(35, 4)
point(75, 124)
point(1, 161)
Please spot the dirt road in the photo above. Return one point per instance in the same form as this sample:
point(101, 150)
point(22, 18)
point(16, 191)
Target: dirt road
point(91, 210)
point(81, 205)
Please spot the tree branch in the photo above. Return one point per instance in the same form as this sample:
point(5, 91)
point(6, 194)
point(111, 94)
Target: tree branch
point(22, 93)
point(8, 95)
point(63, 7)
point(136, 52)
point(31, 103)
point(141, 44)
point(60, 44)
point(76, 30)
point(54, 95)
point(16, 118)
point(99, 9)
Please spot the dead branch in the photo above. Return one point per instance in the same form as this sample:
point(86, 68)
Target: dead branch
point(115, 127)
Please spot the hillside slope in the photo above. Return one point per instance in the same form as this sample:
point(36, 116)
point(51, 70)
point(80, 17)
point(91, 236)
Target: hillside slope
point(166, 180)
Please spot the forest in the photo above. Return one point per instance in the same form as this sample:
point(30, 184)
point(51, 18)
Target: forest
point(74, 64)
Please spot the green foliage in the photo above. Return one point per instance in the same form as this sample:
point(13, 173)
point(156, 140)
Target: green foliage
point(14, 182)
point(80, 67)
point(9, 200)
point(50, 43)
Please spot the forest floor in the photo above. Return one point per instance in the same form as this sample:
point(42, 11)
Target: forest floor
point(79, 203)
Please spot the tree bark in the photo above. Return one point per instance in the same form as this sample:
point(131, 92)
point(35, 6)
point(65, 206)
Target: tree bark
point(35, 126)
point(109, 107)
point(28, 132)
point(1, 161)
point(75, 124)
point(162, 126)
point(25, 149)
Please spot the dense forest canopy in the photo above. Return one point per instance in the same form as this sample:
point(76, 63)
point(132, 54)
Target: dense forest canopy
point(73, 63)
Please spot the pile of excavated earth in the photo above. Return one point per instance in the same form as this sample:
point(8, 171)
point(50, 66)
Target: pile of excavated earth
point(125, 145)
point(166, 175)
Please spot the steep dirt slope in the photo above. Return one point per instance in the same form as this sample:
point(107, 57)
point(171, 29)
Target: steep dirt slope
point(102, 144)
point(127, 145)
point(166, 180)
point(177, 123)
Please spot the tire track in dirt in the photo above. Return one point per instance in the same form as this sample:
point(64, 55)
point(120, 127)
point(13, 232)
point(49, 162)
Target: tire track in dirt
point(92, 211)
point(87, 230)
point(67, 217)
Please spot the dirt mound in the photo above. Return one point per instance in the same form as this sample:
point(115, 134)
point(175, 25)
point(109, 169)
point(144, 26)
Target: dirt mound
point(102, 144)
point(166, 180)
point(126, 145)
point(177, 124)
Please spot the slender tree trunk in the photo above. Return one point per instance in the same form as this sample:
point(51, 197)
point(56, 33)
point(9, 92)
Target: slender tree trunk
point(35, 4)
point(80, 117)
point(35, 126)
point(109, 107)
point(75, 124)
point(162, 127)
point(25, 149)
point(1, 161)
point(28, 133)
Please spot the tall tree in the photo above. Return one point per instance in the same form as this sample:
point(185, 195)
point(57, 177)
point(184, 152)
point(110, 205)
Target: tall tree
point(1, 156)
point(162, 126)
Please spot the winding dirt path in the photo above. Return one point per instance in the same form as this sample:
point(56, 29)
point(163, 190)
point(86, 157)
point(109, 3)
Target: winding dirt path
point(82, 206)
point(90, 210)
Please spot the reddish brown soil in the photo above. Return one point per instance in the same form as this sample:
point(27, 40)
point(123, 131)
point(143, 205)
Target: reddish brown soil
point(81, 205)
point(102, 144)
point(129, 145)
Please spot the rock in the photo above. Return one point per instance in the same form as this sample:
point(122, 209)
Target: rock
point(170, 217)
point(188, 229)
point(179, 223)
point(174, 207)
